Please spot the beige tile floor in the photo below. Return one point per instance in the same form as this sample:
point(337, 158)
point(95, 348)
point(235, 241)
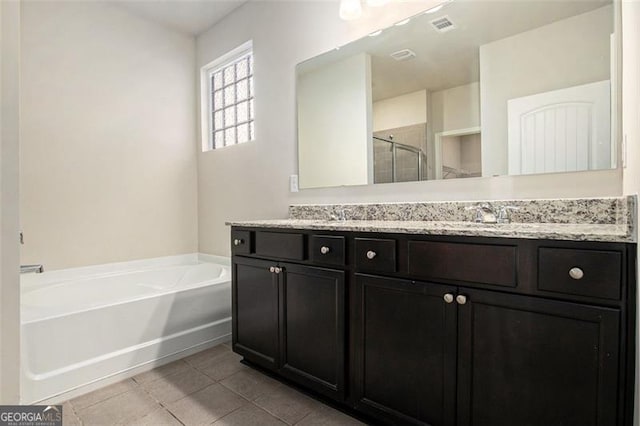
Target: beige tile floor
point(210, 387)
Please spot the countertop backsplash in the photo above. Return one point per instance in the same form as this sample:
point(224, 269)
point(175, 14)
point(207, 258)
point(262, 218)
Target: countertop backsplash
point(600, 211)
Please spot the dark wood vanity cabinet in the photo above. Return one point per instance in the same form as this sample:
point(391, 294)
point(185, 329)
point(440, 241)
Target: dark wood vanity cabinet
point(255, 315)
point(290, 319)
point(532, 361)
point(445, 331)
point(312, 321)
point(404, 351)
point(422, 357)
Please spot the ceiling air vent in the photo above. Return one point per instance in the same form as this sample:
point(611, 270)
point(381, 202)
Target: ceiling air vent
point(443, 24)
point(403, 55)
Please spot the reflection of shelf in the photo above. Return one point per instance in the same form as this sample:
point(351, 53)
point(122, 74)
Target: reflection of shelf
point(451, 172)
point(461, 150)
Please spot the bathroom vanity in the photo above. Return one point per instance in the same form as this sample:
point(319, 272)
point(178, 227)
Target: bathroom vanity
point(410, 327)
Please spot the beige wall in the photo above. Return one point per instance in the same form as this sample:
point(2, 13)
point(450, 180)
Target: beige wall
point(400, 111)
point(9, 212)
point(250, 181)
point(108, 167)
point(470, 153)
point(334, 123)
point(456, 108)
point(551, 57)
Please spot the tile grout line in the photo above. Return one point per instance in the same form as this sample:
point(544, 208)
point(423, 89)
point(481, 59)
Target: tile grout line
point(173, 415)
point(228, 414)
point(74, 413)
point(252, 401)
point(299, 421)
point(141, 385)
point(160, 403)
point(70, 401)
point(273, 415)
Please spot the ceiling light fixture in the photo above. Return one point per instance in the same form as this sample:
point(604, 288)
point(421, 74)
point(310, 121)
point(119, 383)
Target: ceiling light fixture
point(375, 33)
point(350, 9)
point(403, 22)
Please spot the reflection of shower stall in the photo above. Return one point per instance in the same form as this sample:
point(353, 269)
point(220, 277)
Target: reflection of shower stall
point(396, 162)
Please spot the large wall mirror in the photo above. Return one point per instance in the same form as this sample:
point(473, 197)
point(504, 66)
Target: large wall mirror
point(469, 89)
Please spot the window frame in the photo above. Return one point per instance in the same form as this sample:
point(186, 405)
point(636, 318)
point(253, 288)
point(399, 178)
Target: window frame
point(206, 73)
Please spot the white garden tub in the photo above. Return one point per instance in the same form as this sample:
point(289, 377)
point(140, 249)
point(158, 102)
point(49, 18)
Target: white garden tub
point(83, 326)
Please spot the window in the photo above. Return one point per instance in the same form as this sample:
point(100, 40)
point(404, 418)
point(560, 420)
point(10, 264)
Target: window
point(229, 97)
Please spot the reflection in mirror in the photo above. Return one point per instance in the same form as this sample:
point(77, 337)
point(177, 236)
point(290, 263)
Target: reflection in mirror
point(480, 88)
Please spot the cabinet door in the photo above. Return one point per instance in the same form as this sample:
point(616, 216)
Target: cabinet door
point(528, 361)
point(405, 351)
point(255, 311)
point(313, 328)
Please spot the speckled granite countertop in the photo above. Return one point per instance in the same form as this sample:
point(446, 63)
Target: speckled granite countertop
point(552, 231)
point(609, 219)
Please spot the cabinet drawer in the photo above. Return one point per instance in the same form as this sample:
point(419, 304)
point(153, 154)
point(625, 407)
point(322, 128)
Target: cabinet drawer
point(374, 254)
point(280, 245)
point(474, 263)
point(241, 242)
point(327, 249)
point(596, 274)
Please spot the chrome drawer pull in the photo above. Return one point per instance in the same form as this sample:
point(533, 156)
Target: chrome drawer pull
point(371, 254)
point(272, 269)
point(576, 273)
point(277, 270)
point(448, 298)
point(324, 249)
point(237, 242)
point(461, 299)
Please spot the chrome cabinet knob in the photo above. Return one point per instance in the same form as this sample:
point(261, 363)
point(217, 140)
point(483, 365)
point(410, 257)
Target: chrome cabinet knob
point(461, 299)
point(324, 249)
point(576, 273)
point(371, 254)
point(448, 298)
point(237, 242)
point(272, 269)
point(277, 270)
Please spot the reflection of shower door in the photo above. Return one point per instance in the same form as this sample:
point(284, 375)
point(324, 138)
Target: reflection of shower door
point(396, 162)
point(560, 131)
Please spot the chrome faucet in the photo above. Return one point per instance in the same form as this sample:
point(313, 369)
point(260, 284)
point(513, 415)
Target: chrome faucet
point(27, 269)
point(504, 213)
point(341, 215)
point(487, 213)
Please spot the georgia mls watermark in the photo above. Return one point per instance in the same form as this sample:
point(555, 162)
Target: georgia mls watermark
point(30, 415)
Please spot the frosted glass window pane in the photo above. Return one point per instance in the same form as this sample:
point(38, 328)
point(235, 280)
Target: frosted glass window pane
point(229, 96)
point(242, 69)
point(230, 136)
point(243, 133)
point(217, 120)
point(217, 80)
point(217, 100)
point(243, 112)
point(231, 102)
point(243, 90)
point(219, 139)
point(229, 75)
point(229, 116)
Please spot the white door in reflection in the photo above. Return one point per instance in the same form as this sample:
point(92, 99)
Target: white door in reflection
point(561, 131)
